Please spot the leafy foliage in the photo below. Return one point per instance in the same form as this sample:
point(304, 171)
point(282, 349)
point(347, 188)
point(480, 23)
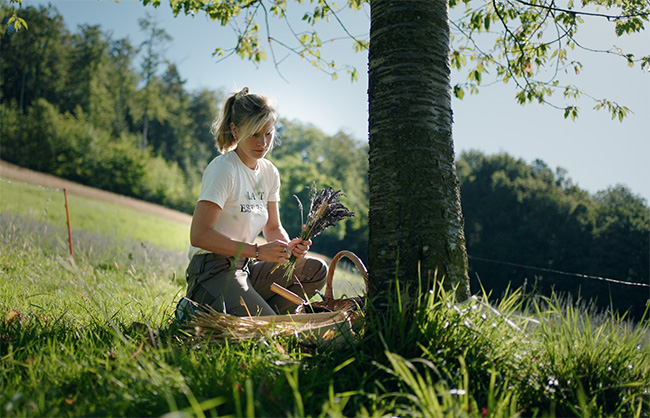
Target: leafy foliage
point(528, 43)
point(253, 39)
point(69, 146)
point(533, 43)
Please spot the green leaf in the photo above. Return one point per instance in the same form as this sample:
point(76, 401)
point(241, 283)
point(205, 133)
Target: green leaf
point(476, 75)
point(571, 111)
point(360, 45)
point(628, 26)
point(17, 22)
point(459, 92)
point(356, 4)
point(645, 62)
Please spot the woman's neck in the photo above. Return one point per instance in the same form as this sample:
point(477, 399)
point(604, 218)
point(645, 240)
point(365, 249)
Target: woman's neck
point(248, 162)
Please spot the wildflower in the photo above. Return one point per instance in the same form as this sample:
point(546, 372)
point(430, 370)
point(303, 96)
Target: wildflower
point(551, 384)
point(325, 211)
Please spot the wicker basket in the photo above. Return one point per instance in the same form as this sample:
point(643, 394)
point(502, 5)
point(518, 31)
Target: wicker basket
point(344, 304)
point(311, 328)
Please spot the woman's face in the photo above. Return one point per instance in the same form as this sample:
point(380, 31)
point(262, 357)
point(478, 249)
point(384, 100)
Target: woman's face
point(255, 147)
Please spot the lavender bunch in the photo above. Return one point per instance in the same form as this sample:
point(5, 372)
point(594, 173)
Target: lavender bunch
point(325, 210)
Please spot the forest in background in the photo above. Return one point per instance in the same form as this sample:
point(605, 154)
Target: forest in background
point(116, 116)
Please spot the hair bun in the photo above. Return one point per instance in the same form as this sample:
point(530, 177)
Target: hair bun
point(242, 93)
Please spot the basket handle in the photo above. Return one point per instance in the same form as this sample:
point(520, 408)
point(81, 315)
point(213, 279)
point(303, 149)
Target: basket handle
point(287, 294)
point(329, 291)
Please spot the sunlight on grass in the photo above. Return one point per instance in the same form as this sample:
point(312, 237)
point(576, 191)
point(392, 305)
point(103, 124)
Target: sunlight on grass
point(106, 279)
point(347, 282)
point(112, 220)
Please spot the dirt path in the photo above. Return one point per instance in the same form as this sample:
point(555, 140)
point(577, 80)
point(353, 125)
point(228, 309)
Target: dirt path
point(13, 172)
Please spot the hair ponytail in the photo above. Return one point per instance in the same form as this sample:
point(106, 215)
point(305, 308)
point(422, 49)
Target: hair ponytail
point(221, 127)
point(248, 112)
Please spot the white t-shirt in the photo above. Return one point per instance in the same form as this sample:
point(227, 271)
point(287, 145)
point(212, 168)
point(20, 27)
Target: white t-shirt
point(242, 194)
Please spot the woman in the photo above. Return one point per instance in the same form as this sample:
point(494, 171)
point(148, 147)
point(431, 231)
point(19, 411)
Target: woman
point(239, 199)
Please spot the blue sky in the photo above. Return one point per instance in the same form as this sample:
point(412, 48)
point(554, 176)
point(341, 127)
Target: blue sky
point(596, 151)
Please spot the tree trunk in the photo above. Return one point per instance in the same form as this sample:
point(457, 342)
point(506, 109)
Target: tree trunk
point(416, 224)
point(21, 101)
point(145, 130)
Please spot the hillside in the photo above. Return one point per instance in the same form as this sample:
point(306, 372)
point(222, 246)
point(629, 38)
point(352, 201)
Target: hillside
point(13, 172)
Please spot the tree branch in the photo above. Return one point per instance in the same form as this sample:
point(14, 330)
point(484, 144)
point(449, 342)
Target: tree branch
point(345, 29)
point(269, 41)
point(574, 12)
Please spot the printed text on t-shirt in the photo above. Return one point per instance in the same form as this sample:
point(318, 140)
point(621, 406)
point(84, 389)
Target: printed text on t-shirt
point(253, 207)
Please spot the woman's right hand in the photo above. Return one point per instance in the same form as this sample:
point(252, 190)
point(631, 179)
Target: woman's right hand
point(275, 251)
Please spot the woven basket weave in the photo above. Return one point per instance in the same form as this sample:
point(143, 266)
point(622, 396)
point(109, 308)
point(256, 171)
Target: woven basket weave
point(343, 304)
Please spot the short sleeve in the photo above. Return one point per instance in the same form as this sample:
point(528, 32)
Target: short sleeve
point(274, 193)
point(217, 183)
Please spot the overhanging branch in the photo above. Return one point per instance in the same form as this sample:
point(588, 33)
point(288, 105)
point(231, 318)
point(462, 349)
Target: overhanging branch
point(602, 15)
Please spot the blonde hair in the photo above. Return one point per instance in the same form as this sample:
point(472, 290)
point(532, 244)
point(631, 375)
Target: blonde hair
point(249, 113)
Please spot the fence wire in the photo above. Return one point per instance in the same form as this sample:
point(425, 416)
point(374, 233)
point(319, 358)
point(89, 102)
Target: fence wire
point(582, 276)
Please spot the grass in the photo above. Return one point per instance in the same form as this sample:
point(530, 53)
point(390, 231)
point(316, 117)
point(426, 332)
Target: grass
point(119, 223)
point(68, 346)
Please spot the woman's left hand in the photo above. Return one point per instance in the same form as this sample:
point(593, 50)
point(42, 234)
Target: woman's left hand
point(299, 247)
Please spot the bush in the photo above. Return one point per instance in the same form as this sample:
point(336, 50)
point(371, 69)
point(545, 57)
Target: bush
point(164, 183)
point(117, 166)
point(42, 139)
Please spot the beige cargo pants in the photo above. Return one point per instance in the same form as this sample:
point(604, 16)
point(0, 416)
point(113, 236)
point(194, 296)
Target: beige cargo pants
point(239, 286)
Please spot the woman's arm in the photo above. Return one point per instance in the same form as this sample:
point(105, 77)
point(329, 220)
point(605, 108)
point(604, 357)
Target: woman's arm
point(203, 235)
point(273, 230)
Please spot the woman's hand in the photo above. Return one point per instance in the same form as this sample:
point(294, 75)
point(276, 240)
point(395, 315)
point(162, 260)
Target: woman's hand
point(299, 247)
point(276, 251)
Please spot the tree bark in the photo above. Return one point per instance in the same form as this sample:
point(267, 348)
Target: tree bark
point(415, 218)
point(145, 130)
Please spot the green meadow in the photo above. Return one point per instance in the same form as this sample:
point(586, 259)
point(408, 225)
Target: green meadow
point(70, 343)
point(91, 216)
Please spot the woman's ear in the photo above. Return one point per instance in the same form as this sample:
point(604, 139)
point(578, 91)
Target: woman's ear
point(233, 130)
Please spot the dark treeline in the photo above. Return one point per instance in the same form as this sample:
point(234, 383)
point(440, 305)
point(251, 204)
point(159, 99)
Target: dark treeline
point(77, 105)
point(524, 223)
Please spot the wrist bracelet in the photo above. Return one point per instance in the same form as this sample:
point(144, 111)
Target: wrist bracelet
point(257, 251)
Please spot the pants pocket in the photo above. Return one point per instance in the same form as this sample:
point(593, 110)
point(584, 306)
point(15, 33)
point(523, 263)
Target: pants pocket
point(202, 267)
